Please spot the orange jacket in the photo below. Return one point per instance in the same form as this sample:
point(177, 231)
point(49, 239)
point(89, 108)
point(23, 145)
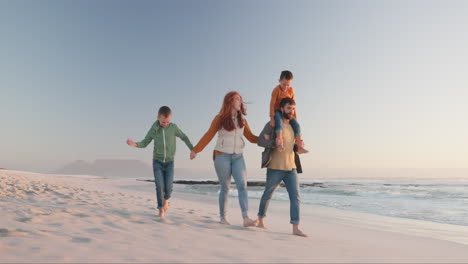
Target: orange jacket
point(214, 129)
point(277, 95)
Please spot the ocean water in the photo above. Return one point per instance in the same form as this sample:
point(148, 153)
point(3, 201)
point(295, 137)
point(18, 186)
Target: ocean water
point(429, 200)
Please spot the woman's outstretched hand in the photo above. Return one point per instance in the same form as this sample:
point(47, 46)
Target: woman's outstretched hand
point(131, 143)
point(193, 155)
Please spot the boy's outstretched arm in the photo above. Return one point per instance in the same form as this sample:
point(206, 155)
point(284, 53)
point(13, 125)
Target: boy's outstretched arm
point(143, 143)
point(183, 137)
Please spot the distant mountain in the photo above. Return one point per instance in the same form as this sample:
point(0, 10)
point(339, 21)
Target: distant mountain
point(112, 168)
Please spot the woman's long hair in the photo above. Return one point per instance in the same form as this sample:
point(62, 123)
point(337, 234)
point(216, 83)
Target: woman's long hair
point(225, 114)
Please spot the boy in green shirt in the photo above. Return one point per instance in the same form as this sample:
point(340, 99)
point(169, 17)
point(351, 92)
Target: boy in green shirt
point(163, 132)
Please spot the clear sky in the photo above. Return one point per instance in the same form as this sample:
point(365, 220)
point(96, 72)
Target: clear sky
point(379, 84)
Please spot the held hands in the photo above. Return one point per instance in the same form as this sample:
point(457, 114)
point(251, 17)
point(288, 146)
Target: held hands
point(193, 155)
point(131, 143)
point(272, 122)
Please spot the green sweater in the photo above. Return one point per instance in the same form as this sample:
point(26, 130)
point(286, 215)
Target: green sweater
point(164, 141)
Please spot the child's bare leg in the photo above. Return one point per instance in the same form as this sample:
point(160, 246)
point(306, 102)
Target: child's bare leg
point(166, 205)
point(300, 145)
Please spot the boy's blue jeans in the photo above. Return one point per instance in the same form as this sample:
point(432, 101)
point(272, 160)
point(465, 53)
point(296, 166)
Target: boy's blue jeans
point(163, 177)
point(279, 124)
point(227, 165)
point(274, 178)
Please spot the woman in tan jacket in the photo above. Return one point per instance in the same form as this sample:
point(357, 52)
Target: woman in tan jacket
point(228, 158)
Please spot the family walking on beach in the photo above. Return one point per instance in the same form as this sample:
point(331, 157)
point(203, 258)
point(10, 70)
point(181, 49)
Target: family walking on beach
point(281, 138)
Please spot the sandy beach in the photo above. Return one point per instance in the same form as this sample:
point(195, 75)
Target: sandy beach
point(64, 218)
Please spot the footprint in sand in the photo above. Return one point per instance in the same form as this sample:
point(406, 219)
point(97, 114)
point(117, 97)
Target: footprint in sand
point(177, 218)
point(279, 239)
point(138, 221)
point(81, 215)
point(163, 220)
point(95, 230)
point(108, 223)
point(13, 233)
point(55, 224)
point(121, 213)
point(75, 212)
point(208, 221)
point(40, 212)
point(24, 219)
point(81, 240)
point(4, 232)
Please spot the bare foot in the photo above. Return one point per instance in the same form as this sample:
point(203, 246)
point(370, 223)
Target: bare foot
point(300, 146)
point(261, 223)
point(161, 213)
point(224, 221)
point(249, 222)
point(166, 205)
point(298, 232)
point(300, 142)
point(302, 150)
